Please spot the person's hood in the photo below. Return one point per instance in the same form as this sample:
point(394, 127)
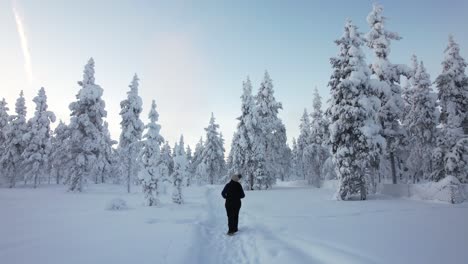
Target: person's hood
point(235, 178)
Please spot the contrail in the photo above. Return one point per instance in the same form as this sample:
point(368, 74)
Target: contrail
point(24, 45)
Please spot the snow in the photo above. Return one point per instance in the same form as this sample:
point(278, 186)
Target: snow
point(290, 223)
point(117, 204)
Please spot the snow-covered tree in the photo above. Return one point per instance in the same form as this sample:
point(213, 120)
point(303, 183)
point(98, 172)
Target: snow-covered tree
point(241, 154)
point(421, 124)
point(196, 161)
point(60, 156)
point(3, 121)
point(3, 129)
point(132, 129)
point(389, 92)
point(354, 131)
point(86, 126)
point(11, 159)
point(213, 153)
point(450, 156)
point(166, 158)
point(188, 152)
point(295, 159)
point(38, 149)
point(302, 143)
point(270, 138)
point(152, 167)
point(108, 161)
point(189, 156)
point(180, 172)
point(316, 151)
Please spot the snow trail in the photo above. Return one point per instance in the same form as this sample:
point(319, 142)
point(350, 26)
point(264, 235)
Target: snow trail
point(215, 245)
point(256, 243)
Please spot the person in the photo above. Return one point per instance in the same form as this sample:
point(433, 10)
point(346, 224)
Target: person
point(233, 193)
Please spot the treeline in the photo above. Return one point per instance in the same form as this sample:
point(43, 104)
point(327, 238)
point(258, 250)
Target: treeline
point(374, 130)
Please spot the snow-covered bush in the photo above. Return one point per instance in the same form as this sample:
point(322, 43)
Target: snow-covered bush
point(117, 204)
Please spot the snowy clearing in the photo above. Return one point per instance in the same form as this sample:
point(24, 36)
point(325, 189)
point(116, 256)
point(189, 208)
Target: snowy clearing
point(289, 224)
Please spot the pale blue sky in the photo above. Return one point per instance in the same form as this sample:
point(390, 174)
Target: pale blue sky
point(192, 56)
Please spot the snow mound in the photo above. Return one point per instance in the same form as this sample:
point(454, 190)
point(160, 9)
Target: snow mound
point(117, 204)
point(448, 189)
point(331, 185)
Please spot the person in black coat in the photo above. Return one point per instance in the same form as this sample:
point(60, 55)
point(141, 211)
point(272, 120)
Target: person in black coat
point(233, 193)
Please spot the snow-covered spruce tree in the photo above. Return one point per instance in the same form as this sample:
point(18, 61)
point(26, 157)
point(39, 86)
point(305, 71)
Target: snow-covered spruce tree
point(241, 153)
point(180, 172)
point(421, 123)
point(295, 159)
point(132, 129)
point(196, 160)
point(3, 121)
point(213, 153)
point(303, 141)
point(107, 160)
point(11, 159)
point(389, 92)
point(3, 129)
point(224, 166)
point(86, 126)
point(316, 151)
point(452, 84)
point(188, 154)
point(407, 89)
point(354, 131)
point(152, 168)
point(166, 158)
point(38, 149)
point(271, 136)
point(60, 157)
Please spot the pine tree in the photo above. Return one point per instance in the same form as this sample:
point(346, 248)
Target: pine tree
point(132, 129)
point(241, 155)
point(153, 169)
point(316, 152)
point(190, 174)
point(4, 117)
point(450, 156)
point(196, 161)
point(303, 142)
point(166, 158)
point(60, 155)
point(3, 121)
point(295, 159)
point(11, 159)
point(86, 126)
point(354, 132)
point(38, 149)
point(108, 162)
point(180, 172)
point(270, 137)
point(421, 124)
point(379, 39)
point(213, 153)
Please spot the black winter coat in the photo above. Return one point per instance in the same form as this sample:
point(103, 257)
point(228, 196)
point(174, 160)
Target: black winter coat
point(233, 192)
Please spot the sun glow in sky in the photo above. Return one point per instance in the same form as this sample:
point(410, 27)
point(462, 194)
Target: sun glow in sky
point(192, 56)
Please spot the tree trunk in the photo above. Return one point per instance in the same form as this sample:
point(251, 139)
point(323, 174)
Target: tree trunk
point(129, 172)
point(35, 180)
point(58, 176)
point(392, 162)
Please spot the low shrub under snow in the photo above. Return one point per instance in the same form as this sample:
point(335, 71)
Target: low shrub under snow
point(117, 204)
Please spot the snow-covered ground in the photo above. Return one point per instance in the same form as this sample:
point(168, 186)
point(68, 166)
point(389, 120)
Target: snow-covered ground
point(289, 224)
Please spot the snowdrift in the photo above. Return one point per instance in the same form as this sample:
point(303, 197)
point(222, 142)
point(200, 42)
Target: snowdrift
point(448, 190)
